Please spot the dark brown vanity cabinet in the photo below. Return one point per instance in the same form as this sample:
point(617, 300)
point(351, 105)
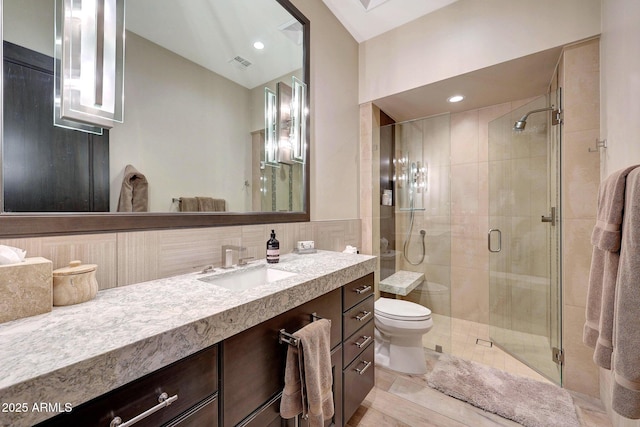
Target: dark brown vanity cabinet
point(239, 381)
point(253, 362)
point(358, 348)
point(190, 384)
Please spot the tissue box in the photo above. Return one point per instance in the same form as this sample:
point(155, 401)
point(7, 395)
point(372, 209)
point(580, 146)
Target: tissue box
point(26, 289)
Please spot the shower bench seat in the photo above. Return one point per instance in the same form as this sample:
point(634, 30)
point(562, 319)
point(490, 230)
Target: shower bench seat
point(401, 282)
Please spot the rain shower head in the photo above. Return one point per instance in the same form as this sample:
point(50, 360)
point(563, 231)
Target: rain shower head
point(520, 124)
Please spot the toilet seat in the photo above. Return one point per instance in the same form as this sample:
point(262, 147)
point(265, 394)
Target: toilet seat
point(401, 310)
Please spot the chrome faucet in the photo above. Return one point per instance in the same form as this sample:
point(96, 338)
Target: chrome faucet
point(227, 255)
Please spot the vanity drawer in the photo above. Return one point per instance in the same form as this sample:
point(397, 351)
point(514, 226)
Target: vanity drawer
point(357, 342)
point(359, 378)
point(204, 414)
point(192, 379)
point(356, 291)
point(356, 317)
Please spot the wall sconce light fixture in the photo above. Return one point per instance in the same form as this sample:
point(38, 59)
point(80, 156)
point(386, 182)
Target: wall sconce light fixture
point(400, 170)
point(285, 124)
point(270, 133)
point(298, 133)
point(89, 58)
point(418, 176)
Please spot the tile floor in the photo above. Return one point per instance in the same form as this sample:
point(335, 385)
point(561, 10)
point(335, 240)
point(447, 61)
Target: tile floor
point(459, 337)
point(401, 400)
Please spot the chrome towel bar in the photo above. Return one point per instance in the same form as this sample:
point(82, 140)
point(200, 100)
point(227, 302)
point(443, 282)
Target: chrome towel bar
point(285, 337)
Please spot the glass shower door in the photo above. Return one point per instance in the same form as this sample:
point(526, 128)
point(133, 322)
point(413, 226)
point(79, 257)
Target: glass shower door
point(523, 237)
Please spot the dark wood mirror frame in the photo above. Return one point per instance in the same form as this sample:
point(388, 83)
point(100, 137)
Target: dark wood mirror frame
point(29, 225)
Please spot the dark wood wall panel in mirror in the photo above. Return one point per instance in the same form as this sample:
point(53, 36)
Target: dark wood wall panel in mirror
point(186, 140)
point(46, 168)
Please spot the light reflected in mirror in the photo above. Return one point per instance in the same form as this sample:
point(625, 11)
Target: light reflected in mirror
point(89, 63)
point(194, 111)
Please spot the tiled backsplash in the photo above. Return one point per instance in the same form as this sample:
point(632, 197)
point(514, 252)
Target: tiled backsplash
point(132, 257)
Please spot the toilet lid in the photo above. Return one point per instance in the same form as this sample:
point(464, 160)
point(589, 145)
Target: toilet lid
point(401, 310)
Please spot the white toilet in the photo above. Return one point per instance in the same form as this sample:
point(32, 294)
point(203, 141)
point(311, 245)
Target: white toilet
point(399, 327)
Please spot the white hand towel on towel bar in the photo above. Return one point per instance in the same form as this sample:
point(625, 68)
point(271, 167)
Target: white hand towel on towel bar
point(308, 380)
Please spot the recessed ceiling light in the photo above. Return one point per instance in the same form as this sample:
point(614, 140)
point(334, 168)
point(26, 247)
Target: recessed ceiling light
point(258, 45)
point(455, 98)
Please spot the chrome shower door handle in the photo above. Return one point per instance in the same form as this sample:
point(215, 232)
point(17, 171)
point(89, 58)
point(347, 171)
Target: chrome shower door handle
point(551, 218)
point(491, 230)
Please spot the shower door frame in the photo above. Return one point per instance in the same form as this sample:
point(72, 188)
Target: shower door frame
point(503, 284)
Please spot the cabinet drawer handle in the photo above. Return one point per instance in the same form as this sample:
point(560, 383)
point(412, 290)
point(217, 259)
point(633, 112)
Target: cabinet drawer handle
point(164, 400)
point(365, 315)
point(366, 366)
point(362, 289)
point(367, 340)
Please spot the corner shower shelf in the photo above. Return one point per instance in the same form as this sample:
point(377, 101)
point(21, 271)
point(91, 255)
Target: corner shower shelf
point(401, 282)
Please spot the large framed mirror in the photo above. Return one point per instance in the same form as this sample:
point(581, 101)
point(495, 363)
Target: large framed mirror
point(194, 121)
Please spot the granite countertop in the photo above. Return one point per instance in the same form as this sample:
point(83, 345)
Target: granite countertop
point(78, 352)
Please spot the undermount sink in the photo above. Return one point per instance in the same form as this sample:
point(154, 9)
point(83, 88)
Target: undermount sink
point(248, 278)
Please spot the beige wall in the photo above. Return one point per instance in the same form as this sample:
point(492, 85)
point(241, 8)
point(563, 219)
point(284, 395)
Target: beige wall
point(183, 124)
point(31, 25)
point(469, 35)
point(620, 82)
point(335, 115)
point(620, 78)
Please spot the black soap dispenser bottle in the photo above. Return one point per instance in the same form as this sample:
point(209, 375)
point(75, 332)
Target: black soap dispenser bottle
point(273, 249)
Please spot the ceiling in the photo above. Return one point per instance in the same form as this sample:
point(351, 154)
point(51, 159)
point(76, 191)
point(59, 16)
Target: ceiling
point(520, 78)
point(212, 33)
point(517, 79)
point(197, 28)
point(381, 16)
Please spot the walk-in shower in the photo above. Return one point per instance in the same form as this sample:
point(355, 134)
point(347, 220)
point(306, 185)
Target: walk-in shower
point(453, 178)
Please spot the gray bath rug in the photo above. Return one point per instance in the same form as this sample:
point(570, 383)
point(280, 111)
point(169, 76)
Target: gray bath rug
point(528, 402)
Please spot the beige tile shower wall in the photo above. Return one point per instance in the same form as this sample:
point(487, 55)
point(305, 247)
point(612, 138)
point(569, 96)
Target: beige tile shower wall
point(579, 76)
point(469, 210)
point(426, 141)
point(132, 257)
